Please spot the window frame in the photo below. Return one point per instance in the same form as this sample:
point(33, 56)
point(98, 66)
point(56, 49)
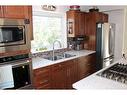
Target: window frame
point(63, 27)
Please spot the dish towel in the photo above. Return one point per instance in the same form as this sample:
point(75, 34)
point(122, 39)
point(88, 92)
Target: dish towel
point(6, 77)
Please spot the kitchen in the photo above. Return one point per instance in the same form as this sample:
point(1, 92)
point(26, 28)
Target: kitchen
point(59, 59)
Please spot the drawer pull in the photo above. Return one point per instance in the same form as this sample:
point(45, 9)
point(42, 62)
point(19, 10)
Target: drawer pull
point(43, 81)
point(60, 65)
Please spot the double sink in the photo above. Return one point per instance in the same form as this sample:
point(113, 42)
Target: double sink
point(60, 56)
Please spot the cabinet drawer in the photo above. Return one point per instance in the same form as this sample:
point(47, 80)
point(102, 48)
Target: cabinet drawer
point(42, 71)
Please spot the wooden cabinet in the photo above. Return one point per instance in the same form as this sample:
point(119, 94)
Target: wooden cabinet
point(64, 74)
point(59, 76)
point(72, 72)
point(75, 23)
point(90, 28)
point(1, 11)
point(42, 78)
point(29, 16)
point(86, 66)
point(15, 11)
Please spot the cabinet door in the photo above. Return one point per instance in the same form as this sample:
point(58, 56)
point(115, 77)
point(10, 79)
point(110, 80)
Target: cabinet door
point(71, 23)
point(15, 11)
point(81, 23)
point(91, 19)
point(86, 66)
point(90, 31)
point(72, 72)
point(59, 76)
point(29, 16)
point(1, 11)
point(75, 23)
point(42, 78)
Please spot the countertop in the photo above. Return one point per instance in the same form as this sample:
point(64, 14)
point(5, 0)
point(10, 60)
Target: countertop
point(96, 82)
point(39, 62)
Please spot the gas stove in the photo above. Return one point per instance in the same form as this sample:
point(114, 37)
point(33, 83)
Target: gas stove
point(117, 72)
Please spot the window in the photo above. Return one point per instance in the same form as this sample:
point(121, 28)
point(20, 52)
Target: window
point(46, 29)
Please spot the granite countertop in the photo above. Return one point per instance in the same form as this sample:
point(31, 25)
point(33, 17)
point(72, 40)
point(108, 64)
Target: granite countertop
point(96, 82)
point(39, 62)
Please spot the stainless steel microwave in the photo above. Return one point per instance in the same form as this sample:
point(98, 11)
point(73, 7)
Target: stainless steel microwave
point(14, 34)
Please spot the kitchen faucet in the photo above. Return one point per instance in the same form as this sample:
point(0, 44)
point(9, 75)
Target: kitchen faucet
point(53, 52)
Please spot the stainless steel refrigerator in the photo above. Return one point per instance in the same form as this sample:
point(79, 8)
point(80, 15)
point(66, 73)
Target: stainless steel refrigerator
point(105, 43)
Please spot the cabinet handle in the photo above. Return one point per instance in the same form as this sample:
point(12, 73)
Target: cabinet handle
point(60, 65)
point(68, 72)
point(43, 81)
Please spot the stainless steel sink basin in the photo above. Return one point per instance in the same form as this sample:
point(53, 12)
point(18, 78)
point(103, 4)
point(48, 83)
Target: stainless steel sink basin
point(61, 56)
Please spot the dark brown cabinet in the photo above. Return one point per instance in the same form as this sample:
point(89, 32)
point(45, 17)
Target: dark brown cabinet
point(75, 23)
point(72, 72)
point(86, 66)
point(59, 76)
point(1, 11)
point(29, 16)
point(64, 74)
point(42, 78)
point(90, 28)
point(15, 11)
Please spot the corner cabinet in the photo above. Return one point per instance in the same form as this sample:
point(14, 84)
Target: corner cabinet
point(75, 23)
point(90, 28)
point(86, 65)
point(63, 75)
point(18, 12)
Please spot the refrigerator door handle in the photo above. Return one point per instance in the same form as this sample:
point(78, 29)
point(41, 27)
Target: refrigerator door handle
point(108, 60)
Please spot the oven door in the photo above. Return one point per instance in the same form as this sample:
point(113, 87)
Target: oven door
point(22, 75)
point(12, 35)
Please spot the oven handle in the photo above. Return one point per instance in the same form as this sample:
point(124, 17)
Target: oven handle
point(20, 63)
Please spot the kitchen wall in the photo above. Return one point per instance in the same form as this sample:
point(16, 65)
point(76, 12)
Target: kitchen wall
point(117, 16)
point(125, 33)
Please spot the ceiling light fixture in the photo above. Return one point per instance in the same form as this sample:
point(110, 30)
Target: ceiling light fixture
point(49, 7)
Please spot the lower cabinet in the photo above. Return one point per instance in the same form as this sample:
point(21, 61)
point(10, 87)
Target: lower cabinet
point(72, 72)
point(86, 66)
point(63, 75)
point(58, 76)
point(42, 78)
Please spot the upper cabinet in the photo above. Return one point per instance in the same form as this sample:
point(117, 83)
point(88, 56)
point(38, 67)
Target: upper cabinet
point(1, 11)
point(15, 11)
point(91, 19)
point(75, 23)
point(29, 16)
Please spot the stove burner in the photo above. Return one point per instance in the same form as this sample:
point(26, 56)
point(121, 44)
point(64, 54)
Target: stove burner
point(117, 72)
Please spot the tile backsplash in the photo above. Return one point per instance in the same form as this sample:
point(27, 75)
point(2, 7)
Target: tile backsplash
point(48, 53)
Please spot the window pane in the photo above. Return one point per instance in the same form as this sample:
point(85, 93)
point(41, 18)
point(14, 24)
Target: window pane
point(46, 31)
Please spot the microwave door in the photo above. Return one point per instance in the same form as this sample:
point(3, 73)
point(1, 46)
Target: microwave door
point(12, 35)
